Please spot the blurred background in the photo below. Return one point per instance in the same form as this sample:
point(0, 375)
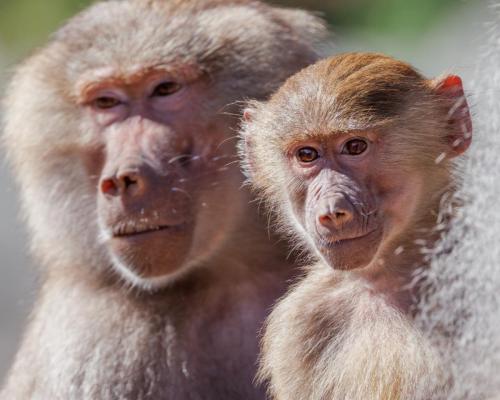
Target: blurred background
point(434, 35)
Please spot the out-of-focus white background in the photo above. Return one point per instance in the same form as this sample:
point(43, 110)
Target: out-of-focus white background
point(444, 36)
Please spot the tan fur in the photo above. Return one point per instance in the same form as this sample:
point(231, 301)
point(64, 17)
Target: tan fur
point(330, 339)
point(96, 333)
point(347, 333)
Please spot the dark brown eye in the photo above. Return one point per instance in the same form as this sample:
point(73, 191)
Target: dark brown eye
point(355, 147)
point(166, 89)
point(105, 103)
point(307, 154)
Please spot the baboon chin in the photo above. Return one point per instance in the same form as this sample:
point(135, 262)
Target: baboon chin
point(344, 254)
point(354, 155)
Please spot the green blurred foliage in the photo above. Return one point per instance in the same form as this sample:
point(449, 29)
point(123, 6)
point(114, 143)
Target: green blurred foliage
point(400, 17)
point(25, 24)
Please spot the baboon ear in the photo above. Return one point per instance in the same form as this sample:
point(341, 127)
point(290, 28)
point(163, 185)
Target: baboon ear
point(459, 117)
point(248, 114)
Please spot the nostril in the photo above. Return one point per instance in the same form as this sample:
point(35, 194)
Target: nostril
point(123, 184)
point(131, 183)
point(325, 220)
point(108, 186)
point(334, 219)
point(339, 214)
point(128, 181)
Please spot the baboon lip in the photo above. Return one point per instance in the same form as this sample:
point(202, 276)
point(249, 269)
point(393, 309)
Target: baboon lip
point(340, 242)
point(134, 230)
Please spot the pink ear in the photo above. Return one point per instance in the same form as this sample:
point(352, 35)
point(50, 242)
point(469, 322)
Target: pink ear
point(458, 116)
point(451, 82)
point(247, 115)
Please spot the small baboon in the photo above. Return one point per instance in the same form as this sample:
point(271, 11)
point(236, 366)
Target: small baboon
point(354, 154)
point(157, 272)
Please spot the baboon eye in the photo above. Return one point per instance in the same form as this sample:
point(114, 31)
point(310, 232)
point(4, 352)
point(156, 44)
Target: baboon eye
point(355, 147)
point(166, 89)
point(105, 102)
point(307, 154)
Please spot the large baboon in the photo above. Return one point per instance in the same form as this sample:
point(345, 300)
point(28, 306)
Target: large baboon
point(156, 271)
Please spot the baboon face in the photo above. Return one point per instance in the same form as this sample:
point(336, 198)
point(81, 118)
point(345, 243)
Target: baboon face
point(159, 168)
point(349, 202)
point(352, 150)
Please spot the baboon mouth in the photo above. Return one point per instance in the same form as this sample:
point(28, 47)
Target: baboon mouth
point(345, 241)
point(136, 229)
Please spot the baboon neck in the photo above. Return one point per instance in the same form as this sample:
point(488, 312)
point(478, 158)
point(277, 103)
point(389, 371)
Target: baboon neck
point(394, 272)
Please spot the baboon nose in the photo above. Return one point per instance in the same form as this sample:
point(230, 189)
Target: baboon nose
point(126, 183)
point(337, 214)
